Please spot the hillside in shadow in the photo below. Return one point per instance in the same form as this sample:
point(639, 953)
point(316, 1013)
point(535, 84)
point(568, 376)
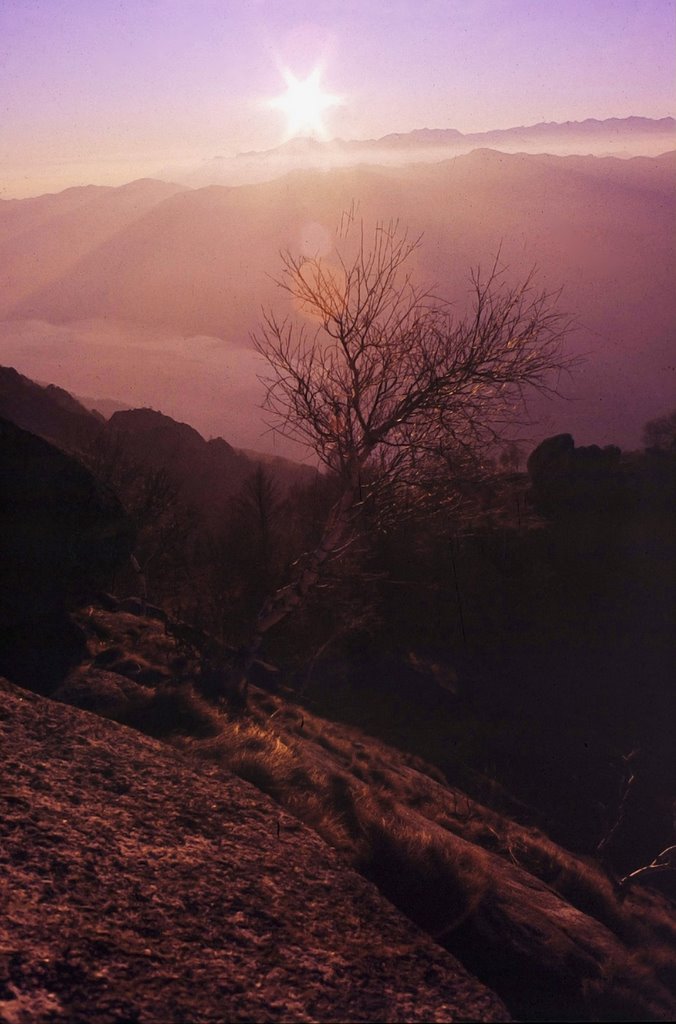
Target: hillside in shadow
point(146, 885)
point(455, 715)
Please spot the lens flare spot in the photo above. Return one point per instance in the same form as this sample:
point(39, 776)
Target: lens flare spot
point(315, 240)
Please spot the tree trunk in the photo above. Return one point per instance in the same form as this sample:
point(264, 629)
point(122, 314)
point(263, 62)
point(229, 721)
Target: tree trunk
point(288, 598)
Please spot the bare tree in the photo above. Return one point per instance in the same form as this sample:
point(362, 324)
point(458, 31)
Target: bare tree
point(163, 523)
point(660, 434)
point(388, 388)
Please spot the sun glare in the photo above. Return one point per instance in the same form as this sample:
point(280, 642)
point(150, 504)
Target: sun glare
point(304, 103)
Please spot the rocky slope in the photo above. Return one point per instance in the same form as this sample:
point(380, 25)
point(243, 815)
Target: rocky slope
point(544, 928)
point(145, 881)
point(141, 886)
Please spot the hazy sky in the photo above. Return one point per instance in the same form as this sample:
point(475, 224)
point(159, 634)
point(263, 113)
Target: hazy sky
point(106, 90)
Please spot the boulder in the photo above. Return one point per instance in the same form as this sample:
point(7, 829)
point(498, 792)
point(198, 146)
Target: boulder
point(63, 535)
point(585, 481)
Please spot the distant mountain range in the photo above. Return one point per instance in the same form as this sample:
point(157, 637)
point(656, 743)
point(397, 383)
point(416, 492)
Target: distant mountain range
point(147, 294)
point(621, 137)
point(44, 232)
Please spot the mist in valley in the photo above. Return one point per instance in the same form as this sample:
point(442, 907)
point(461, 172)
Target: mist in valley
point(167, 284)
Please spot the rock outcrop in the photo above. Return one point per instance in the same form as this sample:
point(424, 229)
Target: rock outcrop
point(63, 533)
point(582, 481)
point(140, 886)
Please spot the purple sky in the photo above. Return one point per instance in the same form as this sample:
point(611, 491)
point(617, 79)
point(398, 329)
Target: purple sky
point(107, 90)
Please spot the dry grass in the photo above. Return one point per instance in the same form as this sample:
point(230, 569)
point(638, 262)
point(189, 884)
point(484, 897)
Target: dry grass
point(436, 879)
point(428, 848)
point(465, 873)
point(431, 850)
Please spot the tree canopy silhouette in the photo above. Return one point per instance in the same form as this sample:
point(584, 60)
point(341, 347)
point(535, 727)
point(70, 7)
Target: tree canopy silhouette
point(381, 373)
point(390, 389)
point(660, 434)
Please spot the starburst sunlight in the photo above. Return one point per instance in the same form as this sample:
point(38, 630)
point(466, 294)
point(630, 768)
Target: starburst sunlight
point(304, 103)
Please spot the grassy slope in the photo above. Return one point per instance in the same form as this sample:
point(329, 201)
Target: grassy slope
point(544, 928)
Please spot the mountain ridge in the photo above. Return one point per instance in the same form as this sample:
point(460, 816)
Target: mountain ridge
point(434, 136)
point(192, 271)
point(207, 473)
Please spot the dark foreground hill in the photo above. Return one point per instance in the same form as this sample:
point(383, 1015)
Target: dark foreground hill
point(141, 885)
point(148, 881)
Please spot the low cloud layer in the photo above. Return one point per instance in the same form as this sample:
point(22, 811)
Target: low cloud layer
point(201, 380)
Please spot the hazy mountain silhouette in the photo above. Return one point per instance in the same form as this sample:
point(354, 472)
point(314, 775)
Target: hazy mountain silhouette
point(636, 134)
point(48, 411)
point(206, 473)
point(625, 137)
point(43, 238)
point(198, 260)
point(202, 262)
point(104, 406)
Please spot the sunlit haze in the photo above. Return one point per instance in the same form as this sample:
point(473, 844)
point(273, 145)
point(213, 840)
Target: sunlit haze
point(304, 104)
point(230, 132)
point(105, 92)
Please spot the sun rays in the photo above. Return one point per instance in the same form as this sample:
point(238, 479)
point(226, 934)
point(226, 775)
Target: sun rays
point(304, 104)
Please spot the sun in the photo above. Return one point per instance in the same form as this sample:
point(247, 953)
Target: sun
point(304, 103)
